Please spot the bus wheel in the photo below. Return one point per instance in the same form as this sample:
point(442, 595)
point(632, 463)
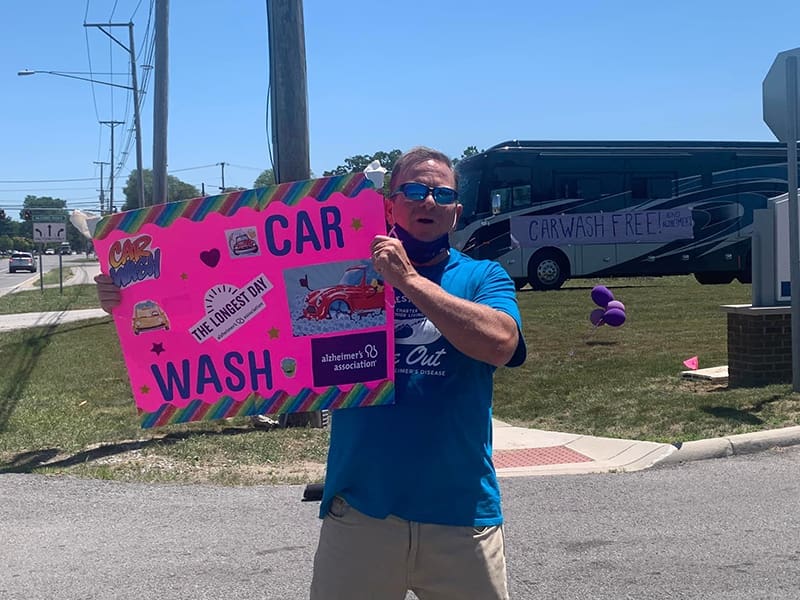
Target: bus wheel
point(547, 269)
point(714, 277)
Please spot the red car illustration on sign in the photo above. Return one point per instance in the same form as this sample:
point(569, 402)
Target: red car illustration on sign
point(359, 291)
point(242, 244)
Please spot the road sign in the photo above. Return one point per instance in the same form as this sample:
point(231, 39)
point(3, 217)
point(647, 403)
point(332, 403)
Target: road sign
point(48, 218)
point(775, 95)
point(782, 114)
point(49, 232)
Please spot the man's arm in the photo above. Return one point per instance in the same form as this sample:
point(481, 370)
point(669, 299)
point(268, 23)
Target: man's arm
point(479, 331)
point(107, 292)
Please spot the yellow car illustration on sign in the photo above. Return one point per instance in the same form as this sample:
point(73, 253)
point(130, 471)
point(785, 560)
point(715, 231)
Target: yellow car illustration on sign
point(147, 316)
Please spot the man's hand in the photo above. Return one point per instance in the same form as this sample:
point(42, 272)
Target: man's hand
point(391, 261)
point(107, 292)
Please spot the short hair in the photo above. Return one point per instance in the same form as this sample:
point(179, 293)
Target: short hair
point(418, 155)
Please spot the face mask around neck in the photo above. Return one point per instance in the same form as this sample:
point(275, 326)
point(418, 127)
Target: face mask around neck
point(418, 251)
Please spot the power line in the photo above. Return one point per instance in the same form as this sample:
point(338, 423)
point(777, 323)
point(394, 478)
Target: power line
point(45, 180)
point(193, 168)
point(243, 167)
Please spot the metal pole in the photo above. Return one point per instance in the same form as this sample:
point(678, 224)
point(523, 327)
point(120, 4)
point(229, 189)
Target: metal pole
point(136, 120)
point(160, 86)
point(112, 124)
point(102, 196)
point(794, 215)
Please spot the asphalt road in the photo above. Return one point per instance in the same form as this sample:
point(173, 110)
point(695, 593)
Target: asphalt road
point(10, 282)
point(714, 529)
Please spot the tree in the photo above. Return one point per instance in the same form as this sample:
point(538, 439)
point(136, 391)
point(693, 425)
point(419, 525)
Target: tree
point(356, 164)
point(176, 190)
point(7, 227)
point(468, 151)
point(266, 178)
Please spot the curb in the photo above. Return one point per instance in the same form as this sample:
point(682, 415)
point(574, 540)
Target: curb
point(743, 443)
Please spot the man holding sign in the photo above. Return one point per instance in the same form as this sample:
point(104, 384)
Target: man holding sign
point(411, 498)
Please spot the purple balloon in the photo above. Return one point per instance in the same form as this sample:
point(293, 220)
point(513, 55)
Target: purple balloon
point(601, 295)
point(616, 304)
point(596, 317)
point(614, 317)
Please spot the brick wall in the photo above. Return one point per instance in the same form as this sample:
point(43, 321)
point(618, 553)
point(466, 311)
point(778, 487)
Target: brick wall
point(759, 345)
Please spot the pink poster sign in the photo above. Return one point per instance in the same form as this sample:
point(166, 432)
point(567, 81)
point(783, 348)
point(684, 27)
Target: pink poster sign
point(253, 302)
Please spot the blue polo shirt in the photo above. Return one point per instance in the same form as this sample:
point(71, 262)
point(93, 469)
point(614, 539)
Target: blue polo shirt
point(427, 458)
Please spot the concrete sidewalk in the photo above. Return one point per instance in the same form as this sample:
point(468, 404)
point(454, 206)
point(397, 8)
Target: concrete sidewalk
point(519, 451)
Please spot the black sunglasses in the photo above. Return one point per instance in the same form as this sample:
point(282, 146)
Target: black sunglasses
point(417, 192)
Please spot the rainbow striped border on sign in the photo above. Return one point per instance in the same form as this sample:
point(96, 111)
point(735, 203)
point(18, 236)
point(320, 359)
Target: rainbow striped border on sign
point(196, 209)
point(306, 400)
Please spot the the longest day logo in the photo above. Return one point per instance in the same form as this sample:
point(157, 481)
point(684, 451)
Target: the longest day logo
point(229, 307)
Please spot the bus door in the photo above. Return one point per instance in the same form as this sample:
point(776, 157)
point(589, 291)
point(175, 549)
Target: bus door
point(588, 194)
point(639, 254)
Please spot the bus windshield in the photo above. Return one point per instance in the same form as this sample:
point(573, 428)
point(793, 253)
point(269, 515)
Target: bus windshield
point(468, 183)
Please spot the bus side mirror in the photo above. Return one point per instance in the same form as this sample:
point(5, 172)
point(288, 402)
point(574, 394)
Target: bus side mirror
point(496, 201)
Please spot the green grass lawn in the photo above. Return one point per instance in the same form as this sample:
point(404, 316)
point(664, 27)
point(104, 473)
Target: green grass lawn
point(72, 297)
point(625, 382)
point(66, 406)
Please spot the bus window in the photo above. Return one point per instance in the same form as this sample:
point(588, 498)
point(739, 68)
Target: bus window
point(520, 196)
point(505, 198)
point(587, 188)
point(651, 188)
point(468, 183)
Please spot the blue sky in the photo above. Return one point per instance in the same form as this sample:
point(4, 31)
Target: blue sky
point(381, 75)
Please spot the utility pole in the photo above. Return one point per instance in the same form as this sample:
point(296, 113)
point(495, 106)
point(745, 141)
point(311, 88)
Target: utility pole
point(135, 89)
point(136, 120)
point(102, 196)
point(289, 102)
point(160, 88)
point(222, 187)
point(288, 90)
point(112, 124)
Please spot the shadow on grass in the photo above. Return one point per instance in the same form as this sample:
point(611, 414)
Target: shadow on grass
point(21, 360)
point(31, 461)
point(19, 363)
point(741, 416)
point(733, 414)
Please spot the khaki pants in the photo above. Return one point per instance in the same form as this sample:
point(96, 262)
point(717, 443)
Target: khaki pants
point(361, 558)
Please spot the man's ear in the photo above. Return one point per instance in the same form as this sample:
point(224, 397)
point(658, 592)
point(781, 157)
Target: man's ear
point(459, 210)
point(388, 207)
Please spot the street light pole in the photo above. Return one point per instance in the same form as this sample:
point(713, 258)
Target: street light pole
point(133, 88)
point(137, 121)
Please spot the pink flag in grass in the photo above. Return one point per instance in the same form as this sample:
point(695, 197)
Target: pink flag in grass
point(692, 363)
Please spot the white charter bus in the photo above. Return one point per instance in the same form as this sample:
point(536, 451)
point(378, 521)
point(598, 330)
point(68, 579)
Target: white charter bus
point(548, 211)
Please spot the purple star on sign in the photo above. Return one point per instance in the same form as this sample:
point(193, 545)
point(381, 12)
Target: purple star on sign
point(158, 348)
